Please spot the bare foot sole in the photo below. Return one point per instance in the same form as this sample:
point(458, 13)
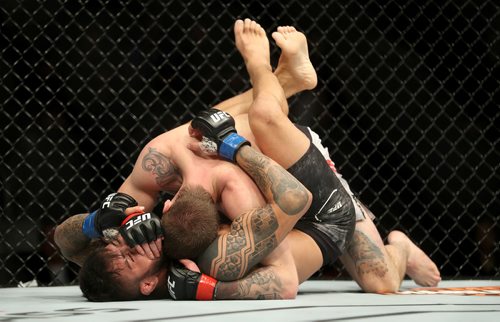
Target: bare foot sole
point(252, 43)
point(420, 267)
point(294, 65)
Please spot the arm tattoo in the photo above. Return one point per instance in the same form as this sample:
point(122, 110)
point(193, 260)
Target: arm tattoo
point(251, 238)
point(367, 257)
point(72, 230)
point(161, 167)
point(253, 235)
point(262, 284)
point(70, 240)
point(286, 190)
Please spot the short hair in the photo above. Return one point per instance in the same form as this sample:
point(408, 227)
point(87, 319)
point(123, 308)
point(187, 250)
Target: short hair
point(191, 224)
point(100, 283)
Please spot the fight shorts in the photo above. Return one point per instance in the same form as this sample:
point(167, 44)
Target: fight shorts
point(362, 211)
point(331, 218)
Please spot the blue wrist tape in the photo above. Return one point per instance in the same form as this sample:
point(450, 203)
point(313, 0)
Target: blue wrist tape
point(230, 146)
point(88, 227)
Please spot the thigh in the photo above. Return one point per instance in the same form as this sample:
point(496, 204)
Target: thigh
point(276, 136)
point(306, 253)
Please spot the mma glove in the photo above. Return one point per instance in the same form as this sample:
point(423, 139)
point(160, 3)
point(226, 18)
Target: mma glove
point(184, 284)
point(218, 127)
point(140, 228)
point(110, 215)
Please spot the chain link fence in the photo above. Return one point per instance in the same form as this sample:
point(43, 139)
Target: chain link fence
point(407, 101)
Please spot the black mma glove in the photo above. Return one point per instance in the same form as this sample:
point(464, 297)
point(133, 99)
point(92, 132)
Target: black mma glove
point(184, 284)
point(218, 127)
point(140, 228)
point(109, 215)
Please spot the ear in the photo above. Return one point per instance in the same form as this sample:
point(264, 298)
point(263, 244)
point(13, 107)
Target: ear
point(166, 206)
point(148, 284)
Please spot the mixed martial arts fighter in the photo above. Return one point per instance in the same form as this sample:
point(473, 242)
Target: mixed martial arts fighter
point(368, 245)
point(267, 115)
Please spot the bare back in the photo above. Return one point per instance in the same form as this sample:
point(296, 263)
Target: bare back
point(165, 164)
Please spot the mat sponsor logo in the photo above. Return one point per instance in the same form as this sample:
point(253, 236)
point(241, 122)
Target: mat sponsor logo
point(473, 290)
point(59, 313)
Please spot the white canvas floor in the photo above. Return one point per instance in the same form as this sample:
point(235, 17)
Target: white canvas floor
point(317, 301)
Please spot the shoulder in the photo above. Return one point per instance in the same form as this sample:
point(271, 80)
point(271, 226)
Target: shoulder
point(164, 145)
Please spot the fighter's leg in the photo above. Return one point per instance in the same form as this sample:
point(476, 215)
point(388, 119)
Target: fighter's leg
point(375, 268)
point(295, 71)
point(419, 267)
point(268, 112)
point(380, 268)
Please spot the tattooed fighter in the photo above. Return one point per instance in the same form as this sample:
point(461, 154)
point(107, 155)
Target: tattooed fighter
point(375, 267)
point(273, 281)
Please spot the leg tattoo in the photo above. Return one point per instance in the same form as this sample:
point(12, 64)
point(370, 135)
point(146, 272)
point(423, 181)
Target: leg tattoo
point(367, 257)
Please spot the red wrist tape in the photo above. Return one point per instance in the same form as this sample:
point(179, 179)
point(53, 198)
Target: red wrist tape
point(206, 286)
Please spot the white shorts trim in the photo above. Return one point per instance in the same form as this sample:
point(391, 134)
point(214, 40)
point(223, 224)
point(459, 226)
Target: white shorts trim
point(360, 213)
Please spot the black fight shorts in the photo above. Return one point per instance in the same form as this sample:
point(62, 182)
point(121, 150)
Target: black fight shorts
point(331, 218)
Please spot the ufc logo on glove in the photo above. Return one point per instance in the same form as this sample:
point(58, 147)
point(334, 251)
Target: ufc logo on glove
point(171, 287)
point(220, 115)
point(108, 200)
point(140, 218)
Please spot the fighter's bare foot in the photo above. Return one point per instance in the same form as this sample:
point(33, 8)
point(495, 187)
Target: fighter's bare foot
point(420, 267)
point(252, 43)
point(295, 70)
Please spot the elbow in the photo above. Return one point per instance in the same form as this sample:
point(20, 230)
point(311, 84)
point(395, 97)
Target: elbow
point(289, 286)
point(309, 198)
point(58, 237)
point(65, 241)
point(305, 202)
point(296, 202)
point(289, 293)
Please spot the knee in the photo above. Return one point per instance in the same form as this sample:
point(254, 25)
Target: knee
point(379, 285)
point(265, 111)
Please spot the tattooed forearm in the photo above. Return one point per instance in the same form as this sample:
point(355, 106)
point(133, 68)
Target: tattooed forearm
point(367, 257)
point(256, 233)
point(262, 284)
point(276, 183)
point(70, 240)
point(162, 168)
point(251, 238)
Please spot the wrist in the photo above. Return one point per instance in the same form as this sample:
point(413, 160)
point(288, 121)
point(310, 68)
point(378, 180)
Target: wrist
point(230, 146)
point(88, 226)
point(206, 288)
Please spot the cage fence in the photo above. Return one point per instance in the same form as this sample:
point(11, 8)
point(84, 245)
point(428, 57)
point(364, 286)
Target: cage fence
point(407, 103)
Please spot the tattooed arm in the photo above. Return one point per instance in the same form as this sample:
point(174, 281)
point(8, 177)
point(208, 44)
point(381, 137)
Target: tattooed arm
point(256, 233)
point(263, 283)
point(153, 172)
point(276, 278)
point(75, 244)
point(72, 243)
